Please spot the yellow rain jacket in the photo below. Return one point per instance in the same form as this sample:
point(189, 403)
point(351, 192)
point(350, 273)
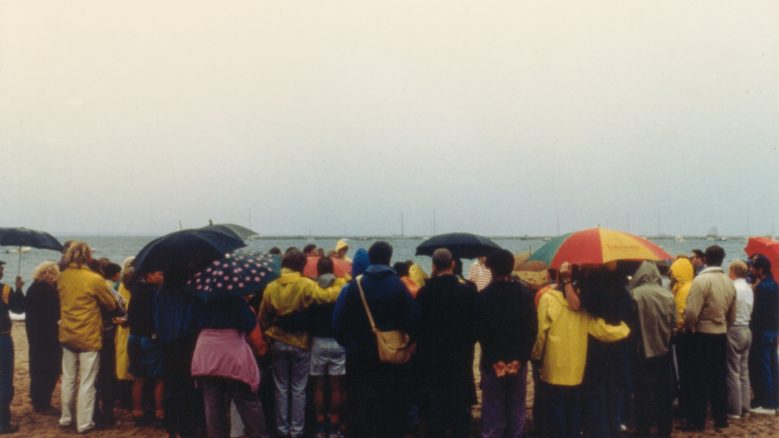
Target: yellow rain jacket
point(282, 311)
point(82, 294)
point(122, 334)
point(561, 344)
point(682, 273)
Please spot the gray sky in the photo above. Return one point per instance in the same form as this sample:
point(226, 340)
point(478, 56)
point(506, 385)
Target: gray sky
point(333, 117)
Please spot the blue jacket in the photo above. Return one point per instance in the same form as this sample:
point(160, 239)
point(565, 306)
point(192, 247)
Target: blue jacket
point(175, 314)
point(390, 303)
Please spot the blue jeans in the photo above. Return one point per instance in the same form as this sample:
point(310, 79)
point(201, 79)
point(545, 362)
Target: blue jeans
point(6, 379)
point(503, 404)
point(291, 367)
point(765, 369)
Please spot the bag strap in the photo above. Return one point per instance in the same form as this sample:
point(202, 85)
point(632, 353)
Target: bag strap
point(365, 304)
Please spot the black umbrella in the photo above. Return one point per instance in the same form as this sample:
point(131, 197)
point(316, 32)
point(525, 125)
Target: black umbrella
point(20, 237)
point(238, 230)
point(182, 253)
point(462, 245)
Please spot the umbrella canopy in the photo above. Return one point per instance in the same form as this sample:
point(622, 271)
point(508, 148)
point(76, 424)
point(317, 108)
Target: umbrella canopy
point(596, 246)
point(237, 274)
point(21, 236)
point(239, 231)
point(341, 268)
point(767, 247)
point(462, 245)
point(27, 237)
point(182, 253)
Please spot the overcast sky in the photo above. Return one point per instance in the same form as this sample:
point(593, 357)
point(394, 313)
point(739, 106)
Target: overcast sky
point(334, 117)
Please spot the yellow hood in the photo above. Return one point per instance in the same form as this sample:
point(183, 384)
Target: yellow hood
point(682, 272)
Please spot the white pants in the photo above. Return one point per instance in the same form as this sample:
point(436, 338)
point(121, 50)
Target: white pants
point(87, 365)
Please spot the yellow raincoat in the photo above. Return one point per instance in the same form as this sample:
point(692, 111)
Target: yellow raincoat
point(561, 344)
point(682, 273)
point(122, 334)
point(287, 295)
point(82, 294)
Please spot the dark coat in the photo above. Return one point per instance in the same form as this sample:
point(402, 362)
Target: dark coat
point(42, 306)
point(507, 323)
point(390, 303)
point(447, 335)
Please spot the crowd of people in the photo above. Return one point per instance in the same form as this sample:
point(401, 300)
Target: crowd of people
point(610, 348)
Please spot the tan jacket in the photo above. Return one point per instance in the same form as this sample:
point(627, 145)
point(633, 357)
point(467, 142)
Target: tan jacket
point(82, 294)
point(711, 304)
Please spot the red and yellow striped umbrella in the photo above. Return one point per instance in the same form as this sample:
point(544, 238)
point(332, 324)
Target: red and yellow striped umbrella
point(596, 246)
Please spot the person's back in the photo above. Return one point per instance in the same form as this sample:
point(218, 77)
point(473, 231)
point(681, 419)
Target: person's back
point(710, 311)
point(506, 327)
point(651, 371)
point(710, 304)
point(446, 344)
point(654, 311)
point(82, 293)
point(376, 391)
point(446, 327)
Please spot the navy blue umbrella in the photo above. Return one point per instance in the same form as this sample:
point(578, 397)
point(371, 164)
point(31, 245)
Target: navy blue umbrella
point(239, 273)
point(21, 237)
point(183, 253)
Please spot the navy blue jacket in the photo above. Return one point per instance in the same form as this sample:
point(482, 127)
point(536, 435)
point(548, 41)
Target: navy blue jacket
point(392, 307)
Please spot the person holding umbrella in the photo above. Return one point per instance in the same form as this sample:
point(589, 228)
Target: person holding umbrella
point(83, 293)
point(11, 300)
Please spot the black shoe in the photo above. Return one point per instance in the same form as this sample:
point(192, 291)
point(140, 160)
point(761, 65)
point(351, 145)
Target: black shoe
point(11, 428)
point(689, 427)
point(46, 410)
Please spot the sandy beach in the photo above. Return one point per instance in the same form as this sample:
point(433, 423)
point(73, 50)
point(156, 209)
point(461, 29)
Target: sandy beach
point(36, 425)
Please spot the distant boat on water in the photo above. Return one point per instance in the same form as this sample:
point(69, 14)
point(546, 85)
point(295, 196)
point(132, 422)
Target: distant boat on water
point(16, 250)
point(679, 238)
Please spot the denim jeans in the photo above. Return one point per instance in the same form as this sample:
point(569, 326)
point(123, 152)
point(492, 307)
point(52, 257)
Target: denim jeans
point(6, 378)
point(503, 404)
point(765, 369)
point(291, 366)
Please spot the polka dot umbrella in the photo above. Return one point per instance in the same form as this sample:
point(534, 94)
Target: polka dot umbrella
point(239, 273)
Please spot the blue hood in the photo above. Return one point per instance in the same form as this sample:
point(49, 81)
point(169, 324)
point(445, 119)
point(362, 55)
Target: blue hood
point(360, 262)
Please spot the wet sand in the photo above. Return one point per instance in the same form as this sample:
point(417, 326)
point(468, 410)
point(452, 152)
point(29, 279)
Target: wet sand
point(37, 425)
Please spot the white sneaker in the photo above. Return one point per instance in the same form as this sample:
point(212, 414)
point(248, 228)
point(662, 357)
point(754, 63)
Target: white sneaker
point(763, 411)
point(734, 417)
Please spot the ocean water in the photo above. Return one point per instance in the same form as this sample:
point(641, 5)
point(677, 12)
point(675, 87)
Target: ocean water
point(117, 248)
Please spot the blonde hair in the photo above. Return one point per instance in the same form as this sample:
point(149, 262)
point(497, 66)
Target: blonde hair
point(46, 271)
point(738, 268)
point(128, 271)
point(79, 253)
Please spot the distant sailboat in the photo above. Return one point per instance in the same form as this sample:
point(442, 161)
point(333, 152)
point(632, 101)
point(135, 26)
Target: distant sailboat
point(679, 238)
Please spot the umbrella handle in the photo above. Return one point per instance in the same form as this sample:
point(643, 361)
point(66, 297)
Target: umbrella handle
point(19, 263)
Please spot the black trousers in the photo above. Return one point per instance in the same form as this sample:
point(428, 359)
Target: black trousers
point(653, 384)
point(183, 403)
point(106, 381)
point(45, 368)
point(710, 379)
point(376, 397)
